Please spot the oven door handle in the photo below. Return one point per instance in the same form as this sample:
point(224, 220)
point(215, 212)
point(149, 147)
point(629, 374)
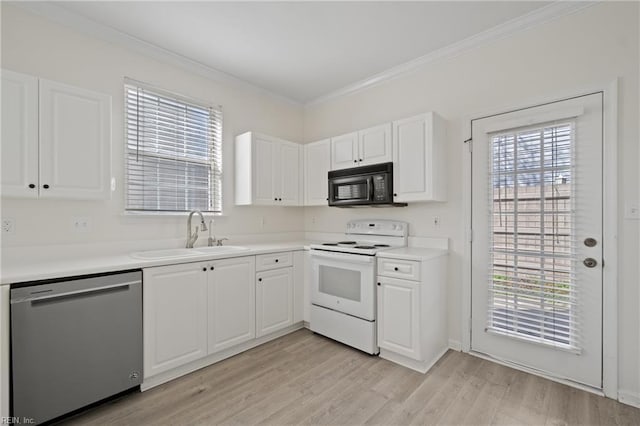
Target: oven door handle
point(345, 257)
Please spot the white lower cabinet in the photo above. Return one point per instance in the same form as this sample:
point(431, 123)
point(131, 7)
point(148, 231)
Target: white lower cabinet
point(412, 314)
point(231, 302)
point(175, 316)
point(274, 300)
point(398, 316)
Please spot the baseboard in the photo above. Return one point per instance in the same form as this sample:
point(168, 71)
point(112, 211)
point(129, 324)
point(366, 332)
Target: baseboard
point(167, 376)
point(629, 398)
point(455, 345)
point(420, 366)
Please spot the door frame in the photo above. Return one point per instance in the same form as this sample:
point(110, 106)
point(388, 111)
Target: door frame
point(610, 232)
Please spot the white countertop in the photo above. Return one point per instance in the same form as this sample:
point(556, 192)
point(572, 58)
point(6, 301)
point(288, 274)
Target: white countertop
point(23, 271)
point(412, 253)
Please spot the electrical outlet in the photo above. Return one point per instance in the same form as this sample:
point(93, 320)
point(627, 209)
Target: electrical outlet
point(8, 226)
point(436, 221)
point(80, 224)
point(632, 210)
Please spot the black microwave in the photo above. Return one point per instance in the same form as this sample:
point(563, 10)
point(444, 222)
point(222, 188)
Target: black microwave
point(362, 186)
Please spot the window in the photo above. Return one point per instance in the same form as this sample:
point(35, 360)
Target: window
point(173, 153)
point(532, 288)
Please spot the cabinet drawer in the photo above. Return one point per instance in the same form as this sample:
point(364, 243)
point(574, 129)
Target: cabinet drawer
point(264, 262)
point(396, 268)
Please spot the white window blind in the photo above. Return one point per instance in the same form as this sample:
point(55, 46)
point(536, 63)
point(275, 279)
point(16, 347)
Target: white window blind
point(173, 154)
point(532, 287)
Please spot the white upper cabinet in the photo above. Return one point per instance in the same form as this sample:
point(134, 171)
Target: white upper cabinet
point(56, 140)
point(317, 163)
point(361, 148)
point(344, 151)
point(374, 145)
point(267, 171)
point(419, 159)
point(75, 142)
point(19, 135)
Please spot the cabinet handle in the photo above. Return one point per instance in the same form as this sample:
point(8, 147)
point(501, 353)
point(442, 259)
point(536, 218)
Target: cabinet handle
point(279, 199)
point(45, 186)
point(31, 185)
point(395, 269)
point(395, 195)
point(360, 160)
point(378, 283)
point(275, 199)
point(204, 269)
point(355, 161)
point(277, 260)
point(212, 268)
point(259, 279)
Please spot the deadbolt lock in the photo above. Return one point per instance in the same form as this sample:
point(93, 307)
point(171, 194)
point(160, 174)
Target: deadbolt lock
point(590, 242)
point(590, 262)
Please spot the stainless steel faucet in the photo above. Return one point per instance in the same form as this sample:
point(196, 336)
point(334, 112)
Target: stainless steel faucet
point(191, 238)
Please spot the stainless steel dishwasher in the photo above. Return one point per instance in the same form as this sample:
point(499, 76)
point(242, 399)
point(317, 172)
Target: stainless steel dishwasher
point(74, 342)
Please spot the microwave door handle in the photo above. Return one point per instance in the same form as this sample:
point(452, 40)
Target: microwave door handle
point(370, 188)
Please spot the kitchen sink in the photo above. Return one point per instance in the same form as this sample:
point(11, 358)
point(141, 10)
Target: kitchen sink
point(220, 249)
point(165, 253)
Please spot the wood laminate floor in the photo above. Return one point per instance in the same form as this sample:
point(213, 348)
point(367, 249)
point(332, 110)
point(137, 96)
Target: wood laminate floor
point(304, 378)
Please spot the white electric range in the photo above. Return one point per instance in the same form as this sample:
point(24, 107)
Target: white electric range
point(343, 284)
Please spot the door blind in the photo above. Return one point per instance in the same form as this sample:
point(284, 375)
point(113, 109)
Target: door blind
point(532, 288)
point(174, 152)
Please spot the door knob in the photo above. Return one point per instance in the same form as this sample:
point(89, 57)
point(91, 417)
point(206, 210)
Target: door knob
point(590, 262)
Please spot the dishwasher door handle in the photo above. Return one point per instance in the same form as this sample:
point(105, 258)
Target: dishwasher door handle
point(50, 297)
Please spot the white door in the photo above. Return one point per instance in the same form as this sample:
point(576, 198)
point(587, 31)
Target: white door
point(344, 151)
point(288, 171)
point(263, 162)
point(537, 238)
point(175, 316)
point(75, 142)
point(274, 300)
point(317, 163)
point(399, 316)
point(374, 145)
point(19, 135)
point(231, 302)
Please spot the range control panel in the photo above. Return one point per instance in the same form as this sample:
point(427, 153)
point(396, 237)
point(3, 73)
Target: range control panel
point(378, 227)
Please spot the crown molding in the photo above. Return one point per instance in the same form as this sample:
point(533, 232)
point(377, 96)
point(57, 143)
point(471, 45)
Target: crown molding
point(545, 14)
point(65, 17)
point(61, 15)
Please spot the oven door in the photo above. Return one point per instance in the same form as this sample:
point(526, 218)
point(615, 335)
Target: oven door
point(350, 190)
point(344, 282)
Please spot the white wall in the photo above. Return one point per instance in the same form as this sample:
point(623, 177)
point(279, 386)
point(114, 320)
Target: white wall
point(563, 57)
point(33, 45)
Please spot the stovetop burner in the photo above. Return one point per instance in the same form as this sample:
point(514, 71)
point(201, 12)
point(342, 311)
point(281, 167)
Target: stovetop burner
point(330, 244)
point(381, 245)
point(365, 247)
point(350, 243)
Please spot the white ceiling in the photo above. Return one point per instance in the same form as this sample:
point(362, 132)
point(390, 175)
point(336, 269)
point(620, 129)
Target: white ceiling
point(302, 50)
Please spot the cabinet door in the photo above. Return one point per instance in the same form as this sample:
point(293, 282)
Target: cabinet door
point(263, 166)
point(274, 300)
point(344, 151)
point(288, 174)
point(19, 135)
point(419, 159)
point(75, 142)
point(317, 163)
point(175, 316)
point(231, 302)
point(374, 145)
point(398, 317)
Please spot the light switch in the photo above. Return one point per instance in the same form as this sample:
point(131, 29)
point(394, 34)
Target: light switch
point(632, 210)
